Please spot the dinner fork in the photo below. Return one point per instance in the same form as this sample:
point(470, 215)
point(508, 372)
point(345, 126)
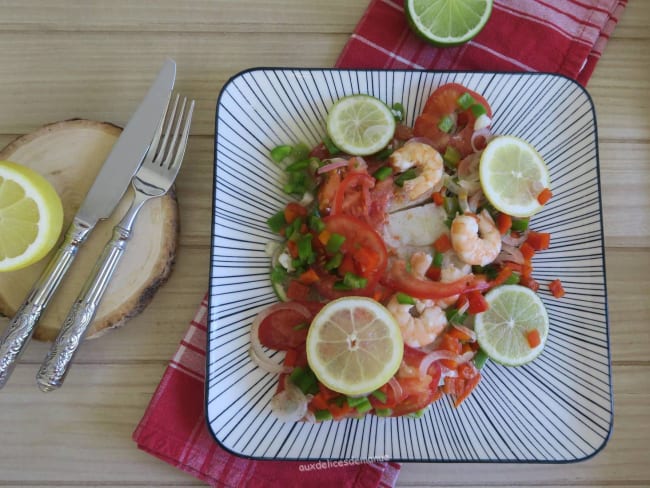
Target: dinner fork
point(153, 179)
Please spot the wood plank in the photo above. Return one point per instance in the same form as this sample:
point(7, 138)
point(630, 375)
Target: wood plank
point(41, 92)
point(91, 419)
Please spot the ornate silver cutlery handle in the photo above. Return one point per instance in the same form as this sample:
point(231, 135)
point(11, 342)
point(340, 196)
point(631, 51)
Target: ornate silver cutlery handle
point(21, 327)
point(55, 366)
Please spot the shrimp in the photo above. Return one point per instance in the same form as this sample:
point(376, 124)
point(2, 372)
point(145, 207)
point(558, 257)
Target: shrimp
point(475, 238)
point(452, 269)
point(421, 323)
point(426, 160)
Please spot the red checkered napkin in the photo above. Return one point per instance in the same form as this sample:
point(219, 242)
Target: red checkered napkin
point(561, 36)
point(174, 429)
point(556, 36)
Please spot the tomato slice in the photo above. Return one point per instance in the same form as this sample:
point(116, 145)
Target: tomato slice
point(400, 279)
point(363, 250)
point(418, 391)
point(353, 195)
point(285, 329)
point(444, 102)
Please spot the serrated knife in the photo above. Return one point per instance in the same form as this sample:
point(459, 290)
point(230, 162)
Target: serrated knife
point(107, 190)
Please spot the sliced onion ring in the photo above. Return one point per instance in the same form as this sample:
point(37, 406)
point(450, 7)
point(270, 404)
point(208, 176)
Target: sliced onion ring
point(476, 135)
point(466, 330)
point(334, 163)
point(512, 241)
point(257, 352)
point(434, 356)
point(397, 388)
point(290, 405)
point(510, 253)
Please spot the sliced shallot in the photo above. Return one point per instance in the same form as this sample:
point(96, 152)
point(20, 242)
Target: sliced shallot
point(480, 138)
point(514, 241)
point(434, 356)
point(290, 405)
point(510, 253)
point(334, 163)
point(397, 388)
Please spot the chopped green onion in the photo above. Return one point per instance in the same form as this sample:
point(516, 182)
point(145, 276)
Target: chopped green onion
point(519, 225)
point(384, 153)
point(304, 247)
point(331, 148)
point(513, 279)
point(300, 165)
point(334, 243)
point(361, 404)
point(404, 299)
point(279, 153)
point(465, 101)
point(353, 281)
point(383, 412)
point(322, 415)
point(438, 258)
point(480, 359)
point(418, 414)
point(316, 223)
point(379, 395)
point(451, 206)
point(382, 173)
point(446, 124)
point(276, 222)
point(300, 152)
point(398, 111)
point(335, 262)
point(451, 157)
point(301, 326)
point(304, 379)
point(453, 317)
point(278, 274)
point(409, 174)
point(478, 110)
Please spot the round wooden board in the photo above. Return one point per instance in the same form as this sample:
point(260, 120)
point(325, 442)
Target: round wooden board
point(69, 154)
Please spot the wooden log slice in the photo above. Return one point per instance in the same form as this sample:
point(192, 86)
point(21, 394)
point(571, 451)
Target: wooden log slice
point(70, 154)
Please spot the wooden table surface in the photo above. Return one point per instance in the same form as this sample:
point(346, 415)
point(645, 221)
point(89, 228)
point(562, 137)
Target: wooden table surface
point(95, 59)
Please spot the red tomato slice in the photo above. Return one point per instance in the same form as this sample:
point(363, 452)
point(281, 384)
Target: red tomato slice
point(353, 195)
point(400, 279)
point(282, 330)
point(363, 245)
point(444, 101)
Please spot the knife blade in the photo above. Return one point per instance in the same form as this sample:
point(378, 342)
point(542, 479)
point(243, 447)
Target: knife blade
point(107, 190)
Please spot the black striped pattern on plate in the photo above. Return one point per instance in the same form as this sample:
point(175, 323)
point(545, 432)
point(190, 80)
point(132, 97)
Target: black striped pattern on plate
point(557, 409)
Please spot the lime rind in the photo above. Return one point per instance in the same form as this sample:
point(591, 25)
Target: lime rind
point(360, 125)
point(448, 22)
point(501, 331)
point(509, 170)
point(371, 365)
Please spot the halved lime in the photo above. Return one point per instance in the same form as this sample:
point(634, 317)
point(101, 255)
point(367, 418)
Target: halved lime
point(354, 345)
point(448, 22)
point(360, 124)
point(503, 330)
point(512, 175)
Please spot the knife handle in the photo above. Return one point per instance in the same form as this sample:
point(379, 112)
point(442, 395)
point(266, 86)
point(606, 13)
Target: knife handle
point(21, 327)
point(55, 366)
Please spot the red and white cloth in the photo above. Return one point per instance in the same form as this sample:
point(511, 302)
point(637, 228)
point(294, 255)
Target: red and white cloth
point(560, 36)
point(556, 36)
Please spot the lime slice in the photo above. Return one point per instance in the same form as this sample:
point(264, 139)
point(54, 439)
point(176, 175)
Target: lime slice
point(354, 345)
point(360, 124)
point(448, 22)
point(502, 331)
point(31, 216)
point(512, 174)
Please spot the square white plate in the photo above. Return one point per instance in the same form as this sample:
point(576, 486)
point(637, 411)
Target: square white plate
point(557, 409)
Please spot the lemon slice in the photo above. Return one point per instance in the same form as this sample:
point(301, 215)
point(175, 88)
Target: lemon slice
point(448, 22)
point(503, 330)
point(31, 216)
point(354, 345)
point(512, 174)
point(360, 124)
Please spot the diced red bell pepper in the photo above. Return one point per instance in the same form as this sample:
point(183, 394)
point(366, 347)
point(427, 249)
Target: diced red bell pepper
point(556, 288)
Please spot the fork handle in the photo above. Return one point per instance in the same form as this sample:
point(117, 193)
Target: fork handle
point(21, 327)
point(56, 364)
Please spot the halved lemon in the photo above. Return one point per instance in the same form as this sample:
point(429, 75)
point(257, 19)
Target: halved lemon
point(360, 124)
point(512, 175)
point(354, 345)
point(31, 216)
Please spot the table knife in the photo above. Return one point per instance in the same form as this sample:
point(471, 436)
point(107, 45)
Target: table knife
point(107, 190)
